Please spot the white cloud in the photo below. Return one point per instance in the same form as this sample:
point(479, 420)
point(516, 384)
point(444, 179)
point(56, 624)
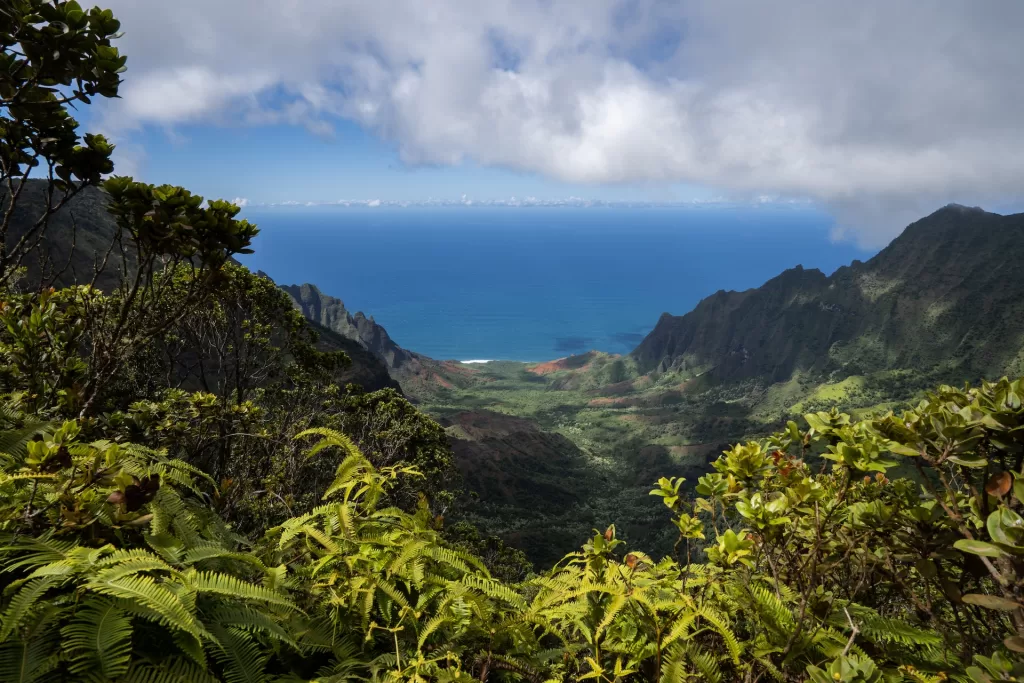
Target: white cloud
point(240, 202)
point(881, 111)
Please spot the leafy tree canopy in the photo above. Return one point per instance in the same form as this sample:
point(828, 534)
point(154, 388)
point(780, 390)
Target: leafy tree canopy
point(187, 494)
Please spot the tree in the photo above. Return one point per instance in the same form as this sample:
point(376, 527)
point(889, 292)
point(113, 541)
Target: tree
point(55, 56)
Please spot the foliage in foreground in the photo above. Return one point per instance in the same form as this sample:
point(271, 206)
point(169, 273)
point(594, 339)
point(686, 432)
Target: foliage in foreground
point(113, 568)
point(158, 484)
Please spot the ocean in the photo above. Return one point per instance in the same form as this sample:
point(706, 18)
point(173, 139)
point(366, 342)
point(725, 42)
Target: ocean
point(534, 283)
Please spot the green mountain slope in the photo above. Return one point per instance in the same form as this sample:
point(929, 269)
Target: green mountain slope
point(419, 375)
point(74, 242)
point(331, 313)
point(946, 296)
point(77, 241)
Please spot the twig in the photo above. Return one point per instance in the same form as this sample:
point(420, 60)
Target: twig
point(853, 635)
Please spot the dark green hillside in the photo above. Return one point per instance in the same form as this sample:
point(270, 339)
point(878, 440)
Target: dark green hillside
point(81, 240)
point(946, 296)
point(365, 368)
point(420, 376)
point(331, 313)
point(75, 241)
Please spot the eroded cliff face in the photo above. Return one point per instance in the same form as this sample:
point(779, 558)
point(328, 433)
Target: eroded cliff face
point(330, 312)
point(949, 290)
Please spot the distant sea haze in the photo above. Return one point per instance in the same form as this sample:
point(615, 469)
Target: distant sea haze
point(532, 284)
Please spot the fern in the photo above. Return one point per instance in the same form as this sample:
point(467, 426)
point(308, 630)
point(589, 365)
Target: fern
point(240, 656)
point(898, 631)
point(27, 661)
point(704, 662)
point(14, 441)
point(250, 620)
point(494, 589)
point(164, 605)
point(98, 639)
point(429, 628)
point(233, 587)
point(172, 670)
point(24, 603)
point(132, 566)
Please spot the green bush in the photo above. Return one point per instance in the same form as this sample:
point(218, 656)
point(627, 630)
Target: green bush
point(166, 517)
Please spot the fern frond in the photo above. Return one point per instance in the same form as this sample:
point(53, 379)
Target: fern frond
point(495, 590)
point(176, 670)
point(722, 628)
point(215, 551)
point(98, 639)
point(23, 603)
point(132, 566)
point(233, 587)
point(14, 441)
point(39, 551)
point(898, 631)
point(610, 612)
point(28, 661)
point(243, 659)
point(703, 661)
point(329, 438)
point(248, 619)
point(432, 625)
point(165, 605)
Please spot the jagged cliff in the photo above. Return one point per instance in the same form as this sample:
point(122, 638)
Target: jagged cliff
point(948, 292)
point(417, 373)
point(331, 313)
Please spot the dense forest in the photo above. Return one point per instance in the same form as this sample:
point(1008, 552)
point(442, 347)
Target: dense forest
point(193, 489)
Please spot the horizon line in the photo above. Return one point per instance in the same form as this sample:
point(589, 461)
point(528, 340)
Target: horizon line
point(573, 202)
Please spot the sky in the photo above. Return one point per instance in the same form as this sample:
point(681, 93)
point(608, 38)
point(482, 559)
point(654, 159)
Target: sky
point(878, 112)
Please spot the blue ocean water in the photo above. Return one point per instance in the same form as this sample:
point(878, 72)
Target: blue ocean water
point(534, 283)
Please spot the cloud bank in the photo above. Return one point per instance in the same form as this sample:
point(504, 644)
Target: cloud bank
point(880, 111)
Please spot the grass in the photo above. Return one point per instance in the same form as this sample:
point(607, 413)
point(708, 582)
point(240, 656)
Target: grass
point(631, 432)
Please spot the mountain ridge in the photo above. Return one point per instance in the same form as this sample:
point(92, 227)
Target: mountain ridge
point(944, 275)
point(420, 374)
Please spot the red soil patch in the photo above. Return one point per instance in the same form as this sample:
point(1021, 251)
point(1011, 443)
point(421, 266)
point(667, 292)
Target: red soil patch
point(442, 381)
point(481, 424)
point(459, 368)
point(617, 389)
point(608, 402)
point(580, 362)
point(602, 402)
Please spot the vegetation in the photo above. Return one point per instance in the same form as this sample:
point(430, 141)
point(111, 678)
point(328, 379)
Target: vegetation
point(188, 494)
point(115, 568)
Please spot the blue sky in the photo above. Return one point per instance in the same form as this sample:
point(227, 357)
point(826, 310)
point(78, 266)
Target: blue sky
point(277, 163)
point(877, 112)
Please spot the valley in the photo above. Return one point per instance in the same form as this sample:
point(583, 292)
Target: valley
point(554, 450)
point(214, 469)
point(549, 451)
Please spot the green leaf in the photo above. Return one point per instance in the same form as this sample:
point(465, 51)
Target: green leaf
point(1018, 488)
point(968, 462)
point(927, 568)
point(991, 602)
point(1005, 526)
point(816, 423)
point(901, 449)
point(978, 548)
